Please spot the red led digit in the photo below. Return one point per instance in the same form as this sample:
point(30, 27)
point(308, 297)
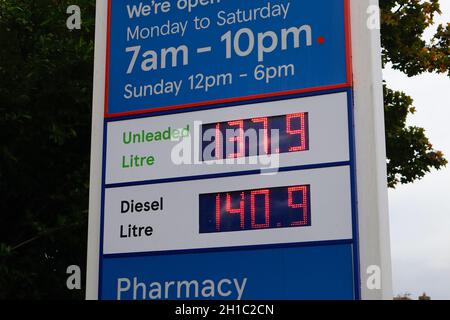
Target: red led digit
point(218, 147)
point(239, 211)
point(239, 139)
point(218, 212)
point(300, 132)
point(265, 193)
point(264, 121)
point(303, 206)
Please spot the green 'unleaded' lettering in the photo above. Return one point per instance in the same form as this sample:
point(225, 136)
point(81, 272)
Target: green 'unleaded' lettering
point(156, 136)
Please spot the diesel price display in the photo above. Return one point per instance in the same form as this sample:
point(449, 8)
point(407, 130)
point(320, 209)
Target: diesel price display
point(279, 207)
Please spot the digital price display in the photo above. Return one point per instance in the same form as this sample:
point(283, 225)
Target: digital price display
point(280, 207)
point(254, 137)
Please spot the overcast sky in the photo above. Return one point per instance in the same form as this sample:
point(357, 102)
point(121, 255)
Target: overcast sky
point(420, 212)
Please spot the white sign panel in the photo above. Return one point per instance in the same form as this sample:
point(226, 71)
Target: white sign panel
point(174, 142)
point(172, 212)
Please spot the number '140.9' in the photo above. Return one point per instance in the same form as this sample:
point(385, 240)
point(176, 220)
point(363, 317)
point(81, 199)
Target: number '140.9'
point(281, 207)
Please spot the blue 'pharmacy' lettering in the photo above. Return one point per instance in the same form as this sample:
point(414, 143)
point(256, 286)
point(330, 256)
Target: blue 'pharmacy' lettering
point(185, 289)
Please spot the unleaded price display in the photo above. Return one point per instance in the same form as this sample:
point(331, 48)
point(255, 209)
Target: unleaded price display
point(236, 139)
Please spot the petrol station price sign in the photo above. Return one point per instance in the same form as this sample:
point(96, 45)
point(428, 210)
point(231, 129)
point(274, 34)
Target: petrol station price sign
point(228, 162)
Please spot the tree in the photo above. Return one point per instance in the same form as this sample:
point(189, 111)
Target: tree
point(407, 296)
point(410, 154)
point(45, 112)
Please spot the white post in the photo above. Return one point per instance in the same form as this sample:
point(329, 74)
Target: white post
point(370, 150)
point(96, 152)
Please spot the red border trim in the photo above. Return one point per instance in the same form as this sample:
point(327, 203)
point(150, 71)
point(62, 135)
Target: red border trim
point(349, 71)
point(348, 42)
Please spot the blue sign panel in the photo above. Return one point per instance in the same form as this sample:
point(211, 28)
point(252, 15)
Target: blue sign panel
point(176, 54)
point(173, 230)
point(318, 272)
